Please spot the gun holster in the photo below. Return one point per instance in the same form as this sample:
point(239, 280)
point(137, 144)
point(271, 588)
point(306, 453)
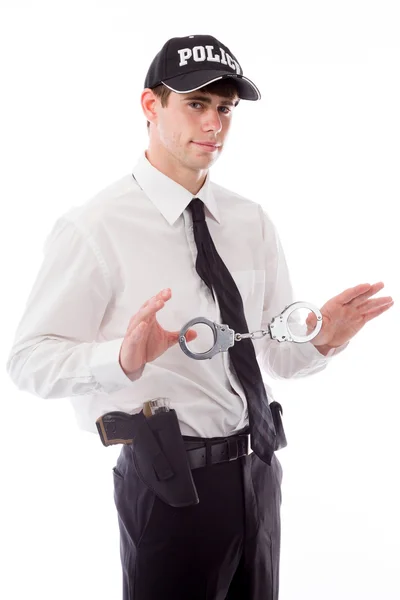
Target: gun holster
point(160, 458)
point(276, 410)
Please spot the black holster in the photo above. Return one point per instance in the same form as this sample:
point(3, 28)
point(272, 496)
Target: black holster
point(276, 410)
point(160, 458)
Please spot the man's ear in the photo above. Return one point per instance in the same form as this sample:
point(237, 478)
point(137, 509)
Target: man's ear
point(149, 105)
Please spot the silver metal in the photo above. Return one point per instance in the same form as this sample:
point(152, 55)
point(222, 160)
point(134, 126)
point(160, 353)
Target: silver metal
point(243, 336)
point(159, 404)
point(224, 337)
point(278, 328)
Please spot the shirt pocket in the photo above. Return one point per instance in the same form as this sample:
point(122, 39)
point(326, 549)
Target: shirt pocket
point(251, 285)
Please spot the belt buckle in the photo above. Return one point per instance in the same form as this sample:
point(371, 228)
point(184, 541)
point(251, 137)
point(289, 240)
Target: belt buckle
point(233, 450)
point(245, 440)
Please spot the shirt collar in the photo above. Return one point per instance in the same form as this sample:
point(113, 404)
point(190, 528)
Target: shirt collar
point(170, 197)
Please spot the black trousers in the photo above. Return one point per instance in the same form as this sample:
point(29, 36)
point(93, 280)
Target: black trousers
point(227, 547)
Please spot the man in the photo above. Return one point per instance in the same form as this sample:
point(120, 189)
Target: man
point(141, 247)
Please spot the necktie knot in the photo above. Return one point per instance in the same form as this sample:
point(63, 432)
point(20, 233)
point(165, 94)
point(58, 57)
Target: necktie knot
point(197, 208)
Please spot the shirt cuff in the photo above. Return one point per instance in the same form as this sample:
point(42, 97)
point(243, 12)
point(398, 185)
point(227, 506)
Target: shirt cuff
point(106, 369)
point(332, 352)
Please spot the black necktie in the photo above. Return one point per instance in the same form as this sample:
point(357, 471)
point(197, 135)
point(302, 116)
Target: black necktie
point(266, 429)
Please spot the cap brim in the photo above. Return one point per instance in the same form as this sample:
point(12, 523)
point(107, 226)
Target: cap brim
point(190, 82)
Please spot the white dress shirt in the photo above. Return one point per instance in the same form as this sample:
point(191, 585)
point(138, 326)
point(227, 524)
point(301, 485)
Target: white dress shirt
point(105, 258)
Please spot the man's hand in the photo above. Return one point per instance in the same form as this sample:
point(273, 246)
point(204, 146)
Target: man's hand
point(145, 339)
point(344, 315)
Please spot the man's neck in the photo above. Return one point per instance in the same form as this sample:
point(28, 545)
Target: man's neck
point(191, 180)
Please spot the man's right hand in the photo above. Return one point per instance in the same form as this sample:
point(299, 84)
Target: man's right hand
point(145, 339)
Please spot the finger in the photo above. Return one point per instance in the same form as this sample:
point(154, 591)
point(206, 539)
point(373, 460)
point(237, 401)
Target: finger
point(174, 336)
point(159, 299)
point(374, 289)
point(146, 313)
point(371, 314)
point(352, 293)
point(375, 303)
point(165, 295)
point(190, 335)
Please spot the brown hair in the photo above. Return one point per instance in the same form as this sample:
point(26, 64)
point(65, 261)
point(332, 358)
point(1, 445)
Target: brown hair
point(222, 87)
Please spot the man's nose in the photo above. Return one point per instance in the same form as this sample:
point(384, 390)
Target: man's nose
point(212, 121)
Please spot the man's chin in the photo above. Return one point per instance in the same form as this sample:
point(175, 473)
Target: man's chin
point(207, 158)
point(205, 163)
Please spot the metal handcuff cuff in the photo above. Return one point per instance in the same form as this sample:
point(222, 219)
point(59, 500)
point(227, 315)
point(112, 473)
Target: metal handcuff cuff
point(224, 337)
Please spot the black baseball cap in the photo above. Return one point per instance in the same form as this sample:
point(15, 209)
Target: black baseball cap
point(186, 64)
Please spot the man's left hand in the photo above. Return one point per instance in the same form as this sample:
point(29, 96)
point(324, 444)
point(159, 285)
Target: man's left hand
point(344, 315)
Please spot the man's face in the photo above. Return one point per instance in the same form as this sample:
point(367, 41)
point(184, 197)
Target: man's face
point(193, 127)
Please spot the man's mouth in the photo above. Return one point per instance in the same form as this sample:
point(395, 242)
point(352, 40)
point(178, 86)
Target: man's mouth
point(208, 145)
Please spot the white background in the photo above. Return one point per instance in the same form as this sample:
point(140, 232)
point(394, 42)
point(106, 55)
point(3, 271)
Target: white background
point(321, 153)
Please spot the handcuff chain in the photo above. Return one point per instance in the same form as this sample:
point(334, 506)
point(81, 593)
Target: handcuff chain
point(242, 336)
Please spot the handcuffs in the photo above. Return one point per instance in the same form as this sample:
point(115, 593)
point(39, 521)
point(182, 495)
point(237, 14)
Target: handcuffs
point(224, 337)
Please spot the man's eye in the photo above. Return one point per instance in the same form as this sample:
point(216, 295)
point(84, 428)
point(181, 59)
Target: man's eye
point(224, 109)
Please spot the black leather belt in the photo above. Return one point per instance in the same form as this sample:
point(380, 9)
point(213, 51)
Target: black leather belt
point(201, 454)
